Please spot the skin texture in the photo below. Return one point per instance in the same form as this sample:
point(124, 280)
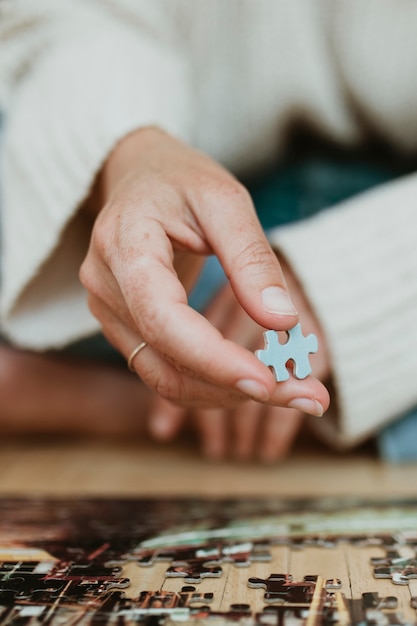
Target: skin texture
point(158, 208)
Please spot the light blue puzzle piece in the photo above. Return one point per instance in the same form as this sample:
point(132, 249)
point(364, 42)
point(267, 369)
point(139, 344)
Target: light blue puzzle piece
point(296, 349)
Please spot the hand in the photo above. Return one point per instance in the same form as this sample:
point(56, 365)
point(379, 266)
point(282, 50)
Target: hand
point(163, 201)
point(253, 429)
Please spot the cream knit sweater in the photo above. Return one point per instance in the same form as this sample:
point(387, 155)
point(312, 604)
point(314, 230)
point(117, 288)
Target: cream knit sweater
point(230, 77)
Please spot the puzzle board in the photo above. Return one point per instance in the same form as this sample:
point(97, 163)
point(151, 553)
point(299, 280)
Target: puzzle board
point(208, 562)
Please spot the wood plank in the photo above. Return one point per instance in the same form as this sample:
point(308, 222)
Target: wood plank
point(124, 468)
point(144, 578)
point(324, 562)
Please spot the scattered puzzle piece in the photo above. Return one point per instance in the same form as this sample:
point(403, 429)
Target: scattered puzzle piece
point(241, 554)
point(390, 557)
point(173, 599)
point(276, 355)
point(372, 600)
point(194, 570)
point(281, 588)
point(399, 569)
point(333, 583)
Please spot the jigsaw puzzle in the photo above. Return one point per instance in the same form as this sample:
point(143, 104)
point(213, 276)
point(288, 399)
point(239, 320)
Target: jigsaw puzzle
point(297, 349)
point(207, 563)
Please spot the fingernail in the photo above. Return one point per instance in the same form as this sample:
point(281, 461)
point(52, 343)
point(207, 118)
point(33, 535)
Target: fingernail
point(307, 406)
point(277, 300)
point(160, 426)
point(252, 388)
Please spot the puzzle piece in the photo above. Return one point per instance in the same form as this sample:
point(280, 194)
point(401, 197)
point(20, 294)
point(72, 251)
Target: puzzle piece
point(372, 600)
point(378, 611)
point(281, 588)
point(296, 349)
point(390, 558)
point(243, 554)
point(194, 570)
point(399, 569)
point(173, 599)
point(146, 558)
point(333, 583)
point(62, 582)
point(239, 613)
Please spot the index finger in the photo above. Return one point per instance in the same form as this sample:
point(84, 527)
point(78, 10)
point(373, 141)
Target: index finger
point(247, 258)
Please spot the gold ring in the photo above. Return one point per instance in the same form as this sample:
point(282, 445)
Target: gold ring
point(134, 354)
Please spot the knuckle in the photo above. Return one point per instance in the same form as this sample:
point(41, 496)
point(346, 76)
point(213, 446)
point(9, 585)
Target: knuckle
point(109, 230)
point(255, 256)
point(138, 266)
point(170, 388)
point(84, 274)
point(92, 282)
point(234, 193)
point(226, 192)
point(97, 242)
point(87, 277)
point(151, 321)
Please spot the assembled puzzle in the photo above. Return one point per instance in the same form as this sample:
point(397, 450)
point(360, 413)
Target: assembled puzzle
point(252, 562)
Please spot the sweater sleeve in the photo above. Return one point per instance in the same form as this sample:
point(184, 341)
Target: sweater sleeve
point(76, 77)
point(357, 263)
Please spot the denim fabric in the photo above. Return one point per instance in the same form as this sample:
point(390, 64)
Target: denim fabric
point(397, 442)
point(212, 277)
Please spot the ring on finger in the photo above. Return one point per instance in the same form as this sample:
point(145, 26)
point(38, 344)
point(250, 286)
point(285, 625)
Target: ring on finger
point(134, 354)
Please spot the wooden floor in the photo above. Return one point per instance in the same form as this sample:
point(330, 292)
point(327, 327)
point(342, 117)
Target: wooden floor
point(126, 468)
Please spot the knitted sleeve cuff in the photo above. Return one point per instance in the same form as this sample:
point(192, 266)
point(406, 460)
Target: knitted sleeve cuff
point(357, 263)
point(66, 114)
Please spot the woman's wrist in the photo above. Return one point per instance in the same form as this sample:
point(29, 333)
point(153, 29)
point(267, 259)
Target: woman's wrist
point(125, 155)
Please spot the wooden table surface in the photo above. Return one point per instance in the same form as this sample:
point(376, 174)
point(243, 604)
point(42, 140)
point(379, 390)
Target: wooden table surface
point(87, 468)
point(129, 468)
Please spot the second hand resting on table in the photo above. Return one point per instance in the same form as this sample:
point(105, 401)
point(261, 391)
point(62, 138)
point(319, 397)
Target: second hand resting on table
point(161, 206)
point(251, 428)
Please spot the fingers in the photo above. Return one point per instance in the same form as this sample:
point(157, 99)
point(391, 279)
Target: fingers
point(182, 386)
point(213, 428)
point(308, 395)
point(248, 259)
point(164, 320)
point(158, 373)
point(280, 429)
point(247, 421)
point(165, 419)
point(251, 431)
point(148, 298)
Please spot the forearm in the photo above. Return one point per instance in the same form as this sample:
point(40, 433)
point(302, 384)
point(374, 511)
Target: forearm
point(55, 146)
